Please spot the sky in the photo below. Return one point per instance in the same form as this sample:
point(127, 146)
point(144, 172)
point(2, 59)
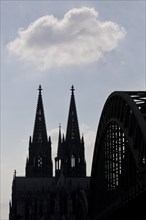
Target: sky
point(97, 46)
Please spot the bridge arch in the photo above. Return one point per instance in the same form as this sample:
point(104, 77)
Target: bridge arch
point(119, 162)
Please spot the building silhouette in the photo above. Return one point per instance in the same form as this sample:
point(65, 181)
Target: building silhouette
point(117, 186)
point(39, 162)
point(41, 196)
point(70, 156)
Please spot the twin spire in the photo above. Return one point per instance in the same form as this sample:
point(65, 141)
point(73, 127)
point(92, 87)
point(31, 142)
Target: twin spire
point(40, 132)
point(39, 162)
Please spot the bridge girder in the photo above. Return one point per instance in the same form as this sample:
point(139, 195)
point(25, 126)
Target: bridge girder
point(120, 146)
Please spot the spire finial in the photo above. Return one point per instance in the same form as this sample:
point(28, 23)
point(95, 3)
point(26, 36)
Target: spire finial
point(72, 89)
point(14, 174)
point(59, 140)
point(40, 88)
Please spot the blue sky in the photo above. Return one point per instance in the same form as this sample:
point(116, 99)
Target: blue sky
point(98, 46)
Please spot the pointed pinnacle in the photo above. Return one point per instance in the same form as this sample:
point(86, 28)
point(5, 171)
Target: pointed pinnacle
point(59, 138)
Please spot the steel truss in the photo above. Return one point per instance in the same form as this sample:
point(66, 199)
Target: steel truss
point(119, 160)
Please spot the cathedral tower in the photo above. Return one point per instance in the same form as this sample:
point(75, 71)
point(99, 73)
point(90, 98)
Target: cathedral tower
point(70, 159)
point(39, 162)
point(39, 195)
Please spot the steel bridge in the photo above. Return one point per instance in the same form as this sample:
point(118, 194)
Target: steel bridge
point(118, 177)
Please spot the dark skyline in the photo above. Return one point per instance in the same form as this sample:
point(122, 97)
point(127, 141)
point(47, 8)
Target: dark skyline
point(122, 68)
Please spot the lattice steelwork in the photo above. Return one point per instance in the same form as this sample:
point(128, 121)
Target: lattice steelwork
point(119, 166)
point(114, 155)
point(119, 160)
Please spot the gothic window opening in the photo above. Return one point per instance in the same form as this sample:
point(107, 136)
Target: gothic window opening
point(40, 137)
point(72, 161)
point(40, 161)
point(58, 164)
point(39, 113)
point(72, 135)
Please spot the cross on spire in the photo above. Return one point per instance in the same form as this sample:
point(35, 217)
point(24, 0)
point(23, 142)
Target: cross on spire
point(40, 88)
point(72, 89)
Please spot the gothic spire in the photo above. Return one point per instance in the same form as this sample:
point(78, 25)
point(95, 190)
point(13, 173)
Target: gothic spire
point(72, 132)
point(39, 162)
point(59, 138)
point(59, 153)
point(70, 159)
point(40, 132)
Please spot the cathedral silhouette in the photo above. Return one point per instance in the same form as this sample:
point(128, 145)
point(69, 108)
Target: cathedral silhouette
point(41, 196)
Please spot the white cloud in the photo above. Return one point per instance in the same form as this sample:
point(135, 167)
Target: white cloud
point(78, 38)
